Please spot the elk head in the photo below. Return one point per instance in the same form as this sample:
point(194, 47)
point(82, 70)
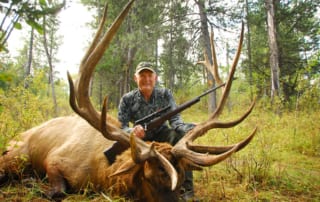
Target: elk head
point(192, 156)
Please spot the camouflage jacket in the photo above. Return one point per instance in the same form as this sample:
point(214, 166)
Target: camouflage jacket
point(133, 107)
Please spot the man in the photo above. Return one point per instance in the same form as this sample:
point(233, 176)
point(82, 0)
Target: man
point(144, 100)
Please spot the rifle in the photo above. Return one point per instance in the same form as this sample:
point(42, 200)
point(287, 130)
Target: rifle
point(152, 121)
point(155, 119)
point(150, 117)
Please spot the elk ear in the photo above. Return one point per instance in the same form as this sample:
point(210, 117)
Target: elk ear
point(189, 165)
point(124, 168)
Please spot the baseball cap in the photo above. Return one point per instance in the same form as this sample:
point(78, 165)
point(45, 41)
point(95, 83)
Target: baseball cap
point(144, 65)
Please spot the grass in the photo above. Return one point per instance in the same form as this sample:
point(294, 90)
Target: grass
point(282, 163)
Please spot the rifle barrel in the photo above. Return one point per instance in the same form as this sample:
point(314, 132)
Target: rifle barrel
point(160, 120)
point(150, 116)
point(211, 90)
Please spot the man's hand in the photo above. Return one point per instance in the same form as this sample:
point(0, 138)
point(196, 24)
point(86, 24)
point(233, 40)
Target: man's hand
point(138, 131)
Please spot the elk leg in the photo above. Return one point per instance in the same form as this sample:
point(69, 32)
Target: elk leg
point(56, 181)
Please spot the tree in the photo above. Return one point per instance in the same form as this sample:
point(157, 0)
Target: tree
point(212, 103)
point(30, 57)
point(17, 12)
point(174, 58)
point(298, 40)
point(247, 8)
point(297, 36)
point(273, 48)
point(50, 46)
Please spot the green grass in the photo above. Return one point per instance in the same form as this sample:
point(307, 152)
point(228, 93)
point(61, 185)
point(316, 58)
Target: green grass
point(282, 163)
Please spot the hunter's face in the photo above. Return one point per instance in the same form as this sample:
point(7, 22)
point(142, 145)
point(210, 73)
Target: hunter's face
point(146, 81)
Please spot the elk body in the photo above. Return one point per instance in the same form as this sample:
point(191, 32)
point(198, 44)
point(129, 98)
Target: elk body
point(69, 150)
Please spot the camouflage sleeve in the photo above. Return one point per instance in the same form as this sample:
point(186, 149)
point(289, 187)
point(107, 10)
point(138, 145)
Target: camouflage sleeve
point(176, 121)
point(124, 114)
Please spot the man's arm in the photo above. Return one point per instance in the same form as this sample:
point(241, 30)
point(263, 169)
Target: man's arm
point(124, 114)
point(176, 120)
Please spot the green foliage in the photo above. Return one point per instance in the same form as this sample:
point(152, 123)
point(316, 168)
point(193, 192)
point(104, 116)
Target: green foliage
point(15, 13)
point(22, 108)
point(4, 79)
point(9, 73)
point(297, 36)
point(309, 97)
point(176, 68)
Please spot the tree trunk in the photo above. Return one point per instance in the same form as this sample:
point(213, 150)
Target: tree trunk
point(48, 51)
point(273, 46)
point(206, 44)
point(249, 51)
point(129, 63)
point(30, 56)
point(171, 74)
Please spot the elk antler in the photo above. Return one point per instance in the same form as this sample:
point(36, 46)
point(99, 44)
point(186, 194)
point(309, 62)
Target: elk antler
point(81, 104)
point(79, 93)
point(80, 101)
point(213, 69)
point(200, 154)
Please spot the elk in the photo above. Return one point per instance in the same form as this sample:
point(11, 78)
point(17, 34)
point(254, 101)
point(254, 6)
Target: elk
point(69, 150)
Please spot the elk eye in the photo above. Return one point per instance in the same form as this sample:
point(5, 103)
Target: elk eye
point(161, 169)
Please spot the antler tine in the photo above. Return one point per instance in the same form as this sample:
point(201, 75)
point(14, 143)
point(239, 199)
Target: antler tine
point(200, 154)
point(116, 135)
point(227, 87)
point(96, 37)
point(81, 103)
point(213, 123)
point(206, 62)
point(212, 68)
point(195, 153)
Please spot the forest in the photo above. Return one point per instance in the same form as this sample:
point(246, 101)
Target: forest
point(279, 67)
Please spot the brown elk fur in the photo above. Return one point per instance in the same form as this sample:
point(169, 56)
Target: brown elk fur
point(70, 152)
